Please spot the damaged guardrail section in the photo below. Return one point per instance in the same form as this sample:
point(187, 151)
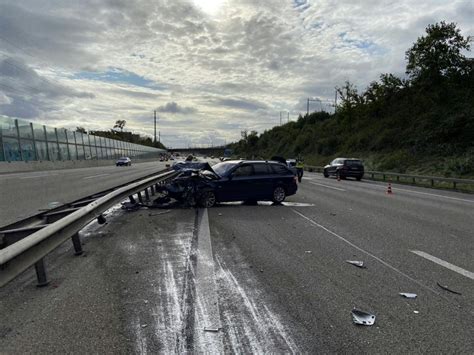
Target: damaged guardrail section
point(29, 251)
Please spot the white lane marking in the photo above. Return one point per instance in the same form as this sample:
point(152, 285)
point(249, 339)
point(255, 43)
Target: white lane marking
point(207, 315)
point(94, 176)
point(429, 194)
point(37, 176)
point(444, 263)
point(367, 253)
point(330, 187)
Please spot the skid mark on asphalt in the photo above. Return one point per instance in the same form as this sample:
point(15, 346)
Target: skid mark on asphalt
point(250, 326)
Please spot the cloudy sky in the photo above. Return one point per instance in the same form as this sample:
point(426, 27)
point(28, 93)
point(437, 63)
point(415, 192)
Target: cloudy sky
point(210, 68)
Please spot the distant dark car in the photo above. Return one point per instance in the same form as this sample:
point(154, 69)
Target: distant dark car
point(236, 180)
point(123, 161)
point(345, 167)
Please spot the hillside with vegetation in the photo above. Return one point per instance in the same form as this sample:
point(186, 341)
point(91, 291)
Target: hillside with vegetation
point(422, 123)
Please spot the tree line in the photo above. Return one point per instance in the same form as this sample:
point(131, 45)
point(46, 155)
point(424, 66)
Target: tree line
point(404, 122)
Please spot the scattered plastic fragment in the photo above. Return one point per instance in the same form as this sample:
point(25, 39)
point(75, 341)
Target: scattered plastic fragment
point(157, 214)
point(213, 330)
point(356, 263)
point(408, 295)
point(219, 214)
point(416, 312)
point(144, 325)
point(362, 318)
point(448, 289)
point(308, 251)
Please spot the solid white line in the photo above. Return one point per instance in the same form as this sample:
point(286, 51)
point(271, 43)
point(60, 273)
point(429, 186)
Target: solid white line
point(94, 176)
point(330, 187)
point(367, 253)
point(426, 193)
point(445, 264)
point(207, 315)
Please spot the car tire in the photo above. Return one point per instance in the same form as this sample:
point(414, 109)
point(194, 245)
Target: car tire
point(325, 174)
point(279, 194)
point(358, 178)
point(208, 199)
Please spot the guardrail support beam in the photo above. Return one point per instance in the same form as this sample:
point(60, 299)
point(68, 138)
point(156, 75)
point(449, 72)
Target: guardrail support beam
point(76, 241)
point(41, 273)
point(147, 195)
point(140, 198)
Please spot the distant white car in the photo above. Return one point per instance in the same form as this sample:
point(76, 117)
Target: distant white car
point(123, 161)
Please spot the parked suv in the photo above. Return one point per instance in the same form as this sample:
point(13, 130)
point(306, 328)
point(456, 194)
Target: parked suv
point(345, 167)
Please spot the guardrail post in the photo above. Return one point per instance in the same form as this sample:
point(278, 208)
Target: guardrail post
point(147, 195)
point(140, 198)
point(372, 176)
point(432, 182)
point(414, 182)
point(383, 177)
point(152, 188)
point(398, 178)
point(41, 273)
point(132, 200)
point(454, 185)
point(76, 241)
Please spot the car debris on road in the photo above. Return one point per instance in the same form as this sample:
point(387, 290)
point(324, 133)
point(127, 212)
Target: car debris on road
point(408, 295)
point(448, 289)
point(362, 318)
point(357, 263)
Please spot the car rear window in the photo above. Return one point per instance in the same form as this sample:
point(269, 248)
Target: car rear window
point(280, 169)
point(353, 163)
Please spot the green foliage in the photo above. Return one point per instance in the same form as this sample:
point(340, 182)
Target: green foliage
point(401, 122)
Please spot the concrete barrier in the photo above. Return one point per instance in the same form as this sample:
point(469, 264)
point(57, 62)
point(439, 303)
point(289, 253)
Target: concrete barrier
point(26, 166)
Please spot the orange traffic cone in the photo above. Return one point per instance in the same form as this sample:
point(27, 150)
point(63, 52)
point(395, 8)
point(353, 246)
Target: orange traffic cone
point(389, 189)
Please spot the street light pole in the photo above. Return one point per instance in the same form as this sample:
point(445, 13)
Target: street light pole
point(154, 114)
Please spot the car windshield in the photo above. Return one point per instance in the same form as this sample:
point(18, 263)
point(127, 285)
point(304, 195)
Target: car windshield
point(222, 169)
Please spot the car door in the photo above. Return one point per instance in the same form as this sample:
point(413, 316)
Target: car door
point(261, 184)
point(237, 186)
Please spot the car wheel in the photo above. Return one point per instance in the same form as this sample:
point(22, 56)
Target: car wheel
point(279, 195)
point(129, 164)
point(359, 178)
point(208, 199)
point(325, 173)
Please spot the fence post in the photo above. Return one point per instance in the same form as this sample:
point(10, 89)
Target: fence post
point(34, 141)
point(48, 156)
point(17, 129)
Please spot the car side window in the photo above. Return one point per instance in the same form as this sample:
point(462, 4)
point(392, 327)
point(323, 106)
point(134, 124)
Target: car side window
point(244, 170)
point(260, 169)
point(280, 169)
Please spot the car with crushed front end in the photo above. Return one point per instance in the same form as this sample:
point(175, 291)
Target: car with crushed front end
point(235, 180)
point(345, 167)
point(123, 161)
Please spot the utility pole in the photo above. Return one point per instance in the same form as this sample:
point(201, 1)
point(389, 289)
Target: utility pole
point(159, 136)
point(335, 98)
point(288, 121)
point(307, 107)
point(155, 124)
point(280, 118)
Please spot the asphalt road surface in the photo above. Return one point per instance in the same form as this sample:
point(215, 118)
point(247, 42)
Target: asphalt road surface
point(25, 194)
point(260, 279)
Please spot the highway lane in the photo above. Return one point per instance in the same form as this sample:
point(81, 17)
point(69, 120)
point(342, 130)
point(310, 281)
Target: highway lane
point(281, 280)
point(25, 194)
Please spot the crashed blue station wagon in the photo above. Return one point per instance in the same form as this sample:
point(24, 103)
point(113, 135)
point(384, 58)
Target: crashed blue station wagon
point(235, 180)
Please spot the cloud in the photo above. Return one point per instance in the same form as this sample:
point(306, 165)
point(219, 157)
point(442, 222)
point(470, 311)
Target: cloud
point(92, 62)
point(173, 107)
point(241, 104)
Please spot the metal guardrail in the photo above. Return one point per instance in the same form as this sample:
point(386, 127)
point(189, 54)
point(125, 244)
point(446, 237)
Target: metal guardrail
point(413, 178)
point(36, 241)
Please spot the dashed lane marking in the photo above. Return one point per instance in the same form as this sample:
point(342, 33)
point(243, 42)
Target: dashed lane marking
point(444, 264)
point(369, 254)
point(329, 187)
point(94, 176)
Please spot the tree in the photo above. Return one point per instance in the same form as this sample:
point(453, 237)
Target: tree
point(439, 53)
point(120, 124)
point(81, 130)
